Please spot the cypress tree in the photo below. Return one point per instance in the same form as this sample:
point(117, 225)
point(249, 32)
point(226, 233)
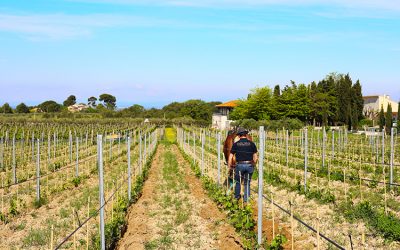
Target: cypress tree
point(357, 103)
point(344, 95)
point(381, 119)
point(389, 119)
point(277, 90)
point(358, 99)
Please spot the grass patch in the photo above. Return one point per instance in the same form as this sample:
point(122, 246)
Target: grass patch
point(36, 237)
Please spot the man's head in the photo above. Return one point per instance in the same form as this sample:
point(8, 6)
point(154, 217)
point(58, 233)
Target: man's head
point(242, 132)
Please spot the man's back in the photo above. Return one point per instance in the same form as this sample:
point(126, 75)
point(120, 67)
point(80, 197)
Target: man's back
point(244, 150)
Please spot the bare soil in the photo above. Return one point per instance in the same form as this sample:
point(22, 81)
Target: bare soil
point(152, 221)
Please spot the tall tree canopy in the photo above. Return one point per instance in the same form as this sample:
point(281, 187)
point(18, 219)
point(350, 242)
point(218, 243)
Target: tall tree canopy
point(92, 101)
point(71, 100)
point(108, 100)
point(50, 106)
point(6, 109)
point(134, 111)
point(257, 105)
point(22, 108)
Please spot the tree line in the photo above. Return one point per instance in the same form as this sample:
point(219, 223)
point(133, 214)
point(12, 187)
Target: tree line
point(197, 110)
point(106, 101)
point(335, 100)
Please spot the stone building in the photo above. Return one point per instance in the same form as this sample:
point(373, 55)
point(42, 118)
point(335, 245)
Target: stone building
point(221, 119)
point(373, 104)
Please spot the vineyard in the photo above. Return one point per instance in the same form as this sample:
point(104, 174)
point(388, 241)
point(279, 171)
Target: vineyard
point(50, 181)
point(326, 189)
point(131, 186)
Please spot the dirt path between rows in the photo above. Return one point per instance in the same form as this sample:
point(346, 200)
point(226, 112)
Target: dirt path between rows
point(174, 211)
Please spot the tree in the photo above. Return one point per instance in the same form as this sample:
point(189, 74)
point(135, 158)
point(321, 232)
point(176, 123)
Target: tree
point(92, 101)
point(277, 90)
point(22, 108)
point(108, 100)
point(172, 110)
point(6, 109)
point(344, 95)
point(357, 103)
point(257, 106)
point(71, 100)
point(302, 103)
point(275, 102)
point(328, 86)
point(294, 102)
point(358, 99)
point(381, 119)
point(320, 105)
point(313, 90)
point(134, 110)
point(196, 109)
point(50, 106)
point(213, 107)
point(240, 111)
point(389, 119)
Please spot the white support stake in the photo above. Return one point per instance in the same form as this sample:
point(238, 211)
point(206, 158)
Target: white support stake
point(391, 156)
point(305, 158)
point(219, 157)
point(287, 148)
point(333, 144)
point(77, 158)
point(128, 142)
point(101, 189)
point(70, 147)
point(38, 171)
point(323, 146)
point(14, 161)
point(383, 147)
point(140, 153)
point(260, 185)
point(202, 152)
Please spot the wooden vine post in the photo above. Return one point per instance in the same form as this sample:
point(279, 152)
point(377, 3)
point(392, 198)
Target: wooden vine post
point(344, 184)
point(384, 190)
point(361, 194)
point(73, 213)
point(291, 223)
point(318, 225)
point(273, 216)
point(52, 237)
point(87, 224)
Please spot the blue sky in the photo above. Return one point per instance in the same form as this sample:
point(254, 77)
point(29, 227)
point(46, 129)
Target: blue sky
point(158, 51)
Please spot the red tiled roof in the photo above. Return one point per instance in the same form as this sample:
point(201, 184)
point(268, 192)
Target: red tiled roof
point(370, 96)
point(230, 104)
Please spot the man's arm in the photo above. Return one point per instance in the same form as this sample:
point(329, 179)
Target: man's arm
point(230, 158)
point(255, 158)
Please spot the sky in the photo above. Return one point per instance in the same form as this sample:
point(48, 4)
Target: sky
point(157, 51)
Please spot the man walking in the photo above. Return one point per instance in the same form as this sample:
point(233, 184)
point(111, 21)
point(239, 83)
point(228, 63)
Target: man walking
point(245, 152)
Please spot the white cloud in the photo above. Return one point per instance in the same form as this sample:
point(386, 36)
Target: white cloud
point(62, 26)
point(358, 4)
